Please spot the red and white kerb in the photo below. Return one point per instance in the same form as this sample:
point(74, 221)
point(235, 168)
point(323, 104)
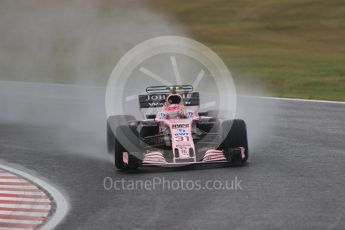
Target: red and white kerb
point(22, 204)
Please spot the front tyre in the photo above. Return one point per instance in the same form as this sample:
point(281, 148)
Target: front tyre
point(112, 123)
point(235, 138)
point(125, 137)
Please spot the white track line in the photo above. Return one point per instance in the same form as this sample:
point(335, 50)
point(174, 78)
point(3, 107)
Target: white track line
point(295, 99)
point(73, 87)
point(62, 205)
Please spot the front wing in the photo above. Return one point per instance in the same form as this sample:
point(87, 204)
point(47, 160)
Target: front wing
point(233, 155)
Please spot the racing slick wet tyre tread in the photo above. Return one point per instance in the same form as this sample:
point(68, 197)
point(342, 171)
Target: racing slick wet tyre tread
point(236, 137)
point(125, 136)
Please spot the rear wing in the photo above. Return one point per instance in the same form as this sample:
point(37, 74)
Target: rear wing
point(155, 100)
point(170, 89)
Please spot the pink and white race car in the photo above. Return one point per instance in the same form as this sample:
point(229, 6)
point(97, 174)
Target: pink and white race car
point(177, 134)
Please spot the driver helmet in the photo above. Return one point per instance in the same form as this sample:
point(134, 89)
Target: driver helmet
point(174, 99)
point(173, 109)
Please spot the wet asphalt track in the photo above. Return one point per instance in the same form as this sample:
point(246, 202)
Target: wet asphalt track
point(295, 178)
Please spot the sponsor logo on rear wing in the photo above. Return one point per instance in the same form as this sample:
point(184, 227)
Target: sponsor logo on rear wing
point(157, 100)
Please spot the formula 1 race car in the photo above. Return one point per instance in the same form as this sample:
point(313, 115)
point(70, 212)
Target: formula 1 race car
point(177, 134)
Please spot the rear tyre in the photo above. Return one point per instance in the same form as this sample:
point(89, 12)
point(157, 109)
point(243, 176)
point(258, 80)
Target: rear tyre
point(235, 138)
point(125, 138)
point(112, 123)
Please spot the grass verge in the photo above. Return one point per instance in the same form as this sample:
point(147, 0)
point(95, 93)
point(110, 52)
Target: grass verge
point(294, 48)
